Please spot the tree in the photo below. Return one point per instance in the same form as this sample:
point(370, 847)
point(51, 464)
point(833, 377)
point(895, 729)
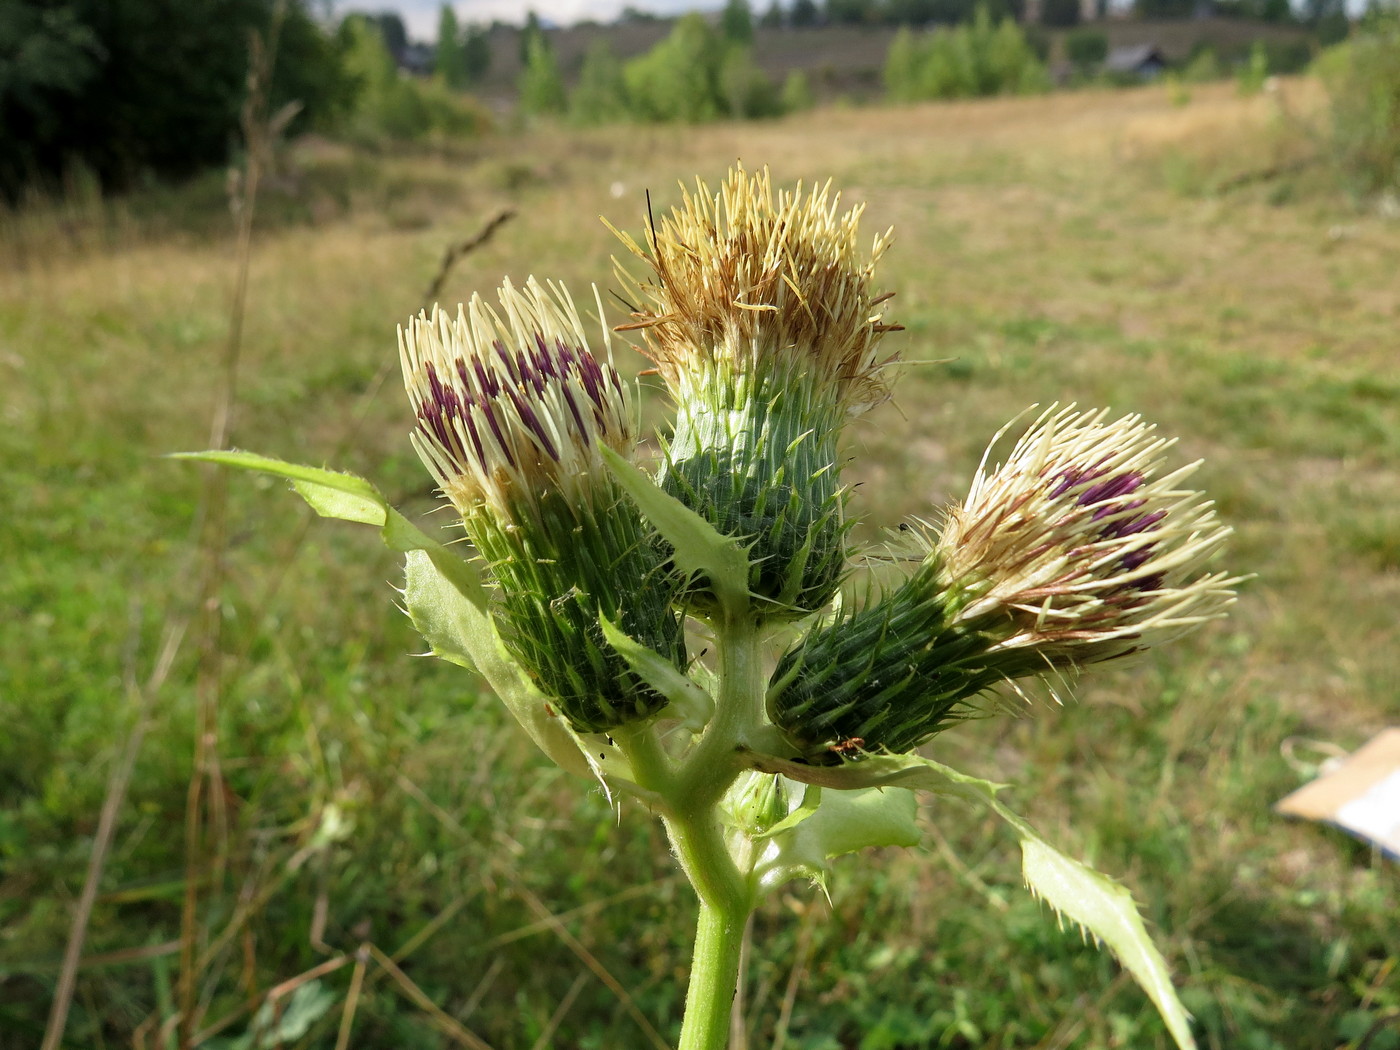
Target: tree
point(601, 95)
point(773, 17)
point(391, 30)
point(851, 12)
point(532, 29)
point(476, 53)
point(903, 65)
point(746, 92)
point(134, 87)
point(981, 57)
point(804, 13)
point(736, 22)
point(449, 60)
point(1164, 8)
point(541, 86)
point(910, 12)
point(678, 79)
point(1086, 48)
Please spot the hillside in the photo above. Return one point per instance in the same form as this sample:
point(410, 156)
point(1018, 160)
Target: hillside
point(845, 61)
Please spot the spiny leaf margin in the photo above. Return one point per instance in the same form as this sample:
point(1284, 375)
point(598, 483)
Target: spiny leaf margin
point(1088, 898)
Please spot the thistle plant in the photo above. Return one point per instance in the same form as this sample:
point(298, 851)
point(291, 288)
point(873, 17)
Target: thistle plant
point(792, 739)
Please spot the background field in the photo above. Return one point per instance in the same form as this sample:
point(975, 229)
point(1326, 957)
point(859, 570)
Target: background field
point(1105, 248)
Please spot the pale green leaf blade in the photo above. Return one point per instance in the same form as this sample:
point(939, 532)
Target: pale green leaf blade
point(693, 704)
point(1106, 909)
point(700, 549)
point(907, 771)
point(842, 822)
point(848, 821)
point(1088, 898)
point(443, 592)
point(330, 493)
point(461, 631)
point(811, 799)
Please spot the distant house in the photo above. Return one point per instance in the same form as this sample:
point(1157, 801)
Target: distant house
point(1141, 60)
point(416, 59)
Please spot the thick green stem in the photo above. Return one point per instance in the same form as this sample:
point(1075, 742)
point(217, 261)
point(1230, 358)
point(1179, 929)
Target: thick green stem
point(714, 975)
point(726, 898)
point(713, 765)
point(690, 794)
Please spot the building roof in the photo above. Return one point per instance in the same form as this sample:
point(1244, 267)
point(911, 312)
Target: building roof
point(1134, 59)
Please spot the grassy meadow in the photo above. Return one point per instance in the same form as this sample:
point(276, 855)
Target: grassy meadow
point(376, 839)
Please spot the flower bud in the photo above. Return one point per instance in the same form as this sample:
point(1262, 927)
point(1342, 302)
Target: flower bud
point(883, 678)
point(757, 802)
point(1083, 546)
point(512, 408)
point(761, 322)
point(1080, 549)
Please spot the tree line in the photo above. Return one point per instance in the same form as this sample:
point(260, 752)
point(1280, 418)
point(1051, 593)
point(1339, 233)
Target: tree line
point(699, 72)
point(130, 89)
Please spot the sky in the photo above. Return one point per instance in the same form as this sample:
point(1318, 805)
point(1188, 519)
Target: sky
point(421, 16)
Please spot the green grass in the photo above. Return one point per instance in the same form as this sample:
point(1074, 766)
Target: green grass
point(1042, 253)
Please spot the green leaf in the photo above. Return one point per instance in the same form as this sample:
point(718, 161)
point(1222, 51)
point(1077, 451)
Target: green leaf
point(461, 631)
point(330, 493)
point(811, 799)
point(1106, 909)
point(693, 704)
point(276, 1024)
point(443, 592)
point(700, 549)
point(843, 822)
point(1086, 897)
point(348, 497)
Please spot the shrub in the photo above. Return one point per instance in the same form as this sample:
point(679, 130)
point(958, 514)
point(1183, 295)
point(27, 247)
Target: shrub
point(1255, 70)
point(1086, 48)
point(797, 92)
point(390, 106)
point(979, 58)
point(1363, 83)
point(1203, 67)
point(601, 95)
point(541, 86)
point(746, 92)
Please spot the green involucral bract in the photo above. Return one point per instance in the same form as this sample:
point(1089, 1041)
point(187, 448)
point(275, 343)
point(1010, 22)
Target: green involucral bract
point(757, 457)
point(884, 678)
point(514, 414)
point(555, 578)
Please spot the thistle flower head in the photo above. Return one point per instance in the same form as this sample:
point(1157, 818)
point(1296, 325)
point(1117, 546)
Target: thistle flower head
point(1083, 546)
point(512, 403)
point(749, 283)
point(512, 409)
